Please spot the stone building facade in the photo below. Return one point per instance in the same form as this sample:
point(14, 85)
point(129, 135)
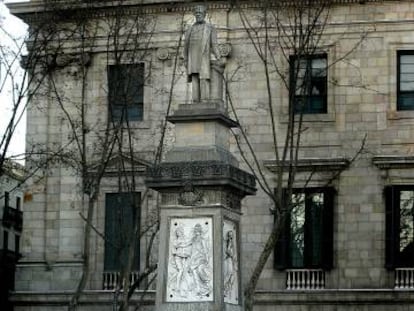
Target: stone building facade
point(10, 227)
point(362, 259)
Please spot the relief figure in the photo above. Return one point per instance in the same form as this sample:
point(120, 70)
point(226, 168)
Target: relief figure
point(190, 272)
point(230, 264)
point(199, 266)
point(181, 253)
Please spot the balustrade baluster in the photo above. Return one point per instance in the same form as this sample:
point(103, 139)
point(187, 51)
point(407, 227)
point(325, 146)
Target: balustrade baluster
point(112, 280)
point(322, 279)
point(304, 276)
point(411, 278)
point(302, 282)
point(313, 279)
point(104, 281)
point(296, 280)
point(406, 278)
point(398, 278)
point(289, 280)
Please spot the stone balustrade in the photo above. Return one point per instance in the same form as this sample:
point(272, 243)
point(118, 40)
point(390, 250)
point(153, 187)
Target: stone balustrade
point(112, 279)
point(404, 278)
point(299, 279)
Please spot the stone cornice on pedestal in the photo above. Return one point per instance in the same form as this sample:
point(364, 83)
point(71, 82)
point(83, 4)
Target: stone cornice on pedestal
point(200, 173)
point(310, 165)
point(393, 162)
point(202, 112)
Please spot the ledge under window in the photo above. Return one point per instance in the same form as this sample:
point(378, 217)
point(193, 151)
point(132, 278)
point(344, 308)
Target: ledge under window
point(310, 165)
point(400, 114)
point(312, 117)
point(392, 162)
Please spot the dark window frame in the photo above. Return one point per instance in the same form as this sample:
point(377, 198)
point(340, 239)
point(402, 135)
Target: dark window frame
point(403, 94)
point(394, 257)
point(126, 92)
point(283, 255)
point(115, 258)
point(310, 106)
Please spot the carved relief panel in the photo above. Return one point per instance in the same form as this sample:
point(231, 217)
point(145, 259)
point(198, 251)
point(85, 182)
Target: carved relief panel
point(230, 263)
point(190, 260)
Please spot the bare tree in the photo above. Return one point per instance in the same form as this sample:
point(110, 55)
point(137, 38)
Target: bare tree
point(284, 34)
point(286, 37)
point(94, 142)
point(17, 86)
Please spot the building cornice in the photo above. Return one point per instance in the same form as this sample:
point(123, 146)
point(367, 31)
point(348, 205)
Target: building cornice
point(36, 10)
point(14, 170)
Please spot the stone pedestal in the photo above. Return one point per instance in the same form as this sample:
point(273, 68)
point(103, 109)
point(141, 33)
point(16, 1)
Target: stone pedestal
point(201, 189)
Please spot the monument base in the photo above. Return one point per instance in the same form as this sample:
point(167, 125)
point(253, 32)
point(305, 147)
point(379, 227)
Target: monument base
point(200, 249)
point(201, 190)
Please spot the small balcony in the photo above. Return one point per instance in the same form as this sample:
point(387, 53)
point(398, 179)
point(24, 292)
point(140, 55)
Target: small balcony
point(112, 279)
point(404, 278)
point(305, 279)
point(12, 218)
point(8, 258)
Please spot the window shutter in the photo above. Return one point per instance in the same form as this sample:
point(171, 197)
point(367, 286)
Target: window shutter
point(114, 92)
point(137, 92)
point(120, 215)
point(138, 74)
point(136, 208)
point(390, 228)
point(328, 229)
point(110, 263)
point(281, 253)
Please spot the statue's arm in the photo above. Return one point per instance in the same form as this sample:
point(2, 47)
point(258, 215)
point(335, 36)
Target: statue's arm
point(186, 44)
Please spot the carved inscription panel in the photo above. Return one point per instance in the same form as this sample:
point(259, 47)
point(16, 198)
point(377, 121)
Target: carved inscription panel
point(190, 260)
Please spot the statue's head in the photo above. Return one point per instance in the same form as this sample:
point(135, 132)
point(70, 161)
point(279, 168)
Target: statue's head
point(197, 230)
point(200, 13)
point(230, 235)
point(179, 232)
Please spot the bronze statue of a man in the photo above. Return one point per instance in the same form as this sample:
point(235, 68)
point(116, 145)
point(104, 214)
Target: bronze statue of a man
point(200, 41)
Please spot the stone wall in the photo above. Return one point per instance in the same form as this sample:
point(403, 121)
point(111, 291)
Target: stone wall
point(361, 105)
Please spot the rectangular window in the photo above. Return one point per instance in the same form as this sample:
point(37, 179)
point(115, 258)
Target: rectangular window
point(405, 80)
point(126, 92)
point(399, 226)
point(308, 81)
point(121, 213)
point(306, 240)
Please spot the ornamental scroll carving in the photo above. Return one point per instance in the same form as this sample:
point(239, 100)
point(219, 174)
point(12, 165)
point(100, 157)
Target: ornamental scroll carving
point(190, 196)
